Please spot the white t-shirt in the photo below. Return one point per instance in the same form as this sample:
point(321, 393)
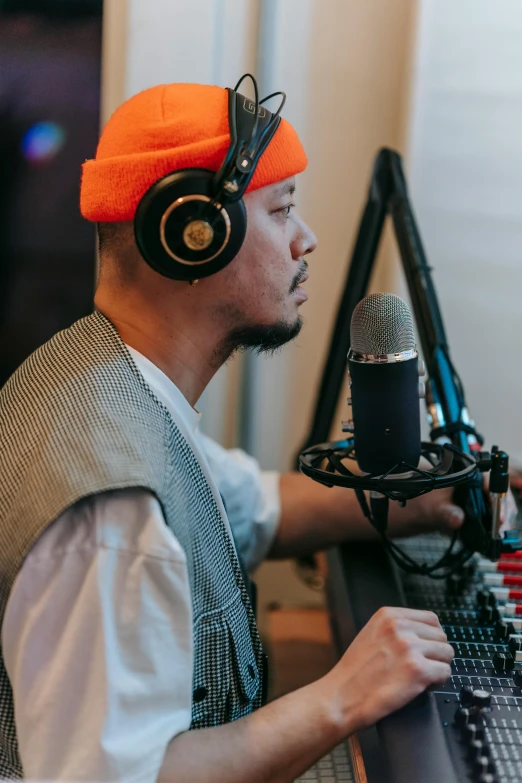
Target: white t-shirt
point(97, 634)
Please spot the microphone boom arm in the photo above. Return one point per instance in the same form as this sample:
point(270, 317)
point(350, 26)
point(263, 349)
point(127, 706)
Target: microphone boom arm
point(388, 196)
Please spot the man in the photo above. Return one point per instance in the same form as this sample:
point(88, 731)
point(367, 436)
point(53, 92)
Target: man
point(126, 620)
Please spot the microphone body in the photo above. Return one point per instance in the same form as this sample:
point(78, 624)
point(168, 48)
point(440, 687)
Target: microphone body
point(384, 370)
point(386, 413)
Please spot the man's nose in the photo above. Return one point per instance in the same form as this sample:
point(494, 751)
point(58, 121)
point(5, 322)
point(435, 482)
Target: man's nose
point(306, 241)
point(312, 241)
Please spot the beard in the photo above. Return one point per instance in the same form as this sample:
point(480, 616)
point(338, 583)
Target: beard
point(260, 338)
point(263, 339)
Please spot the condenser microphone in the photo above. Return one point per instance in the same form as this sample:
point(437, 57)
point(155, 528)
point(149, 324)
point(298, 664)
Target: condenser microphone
point(384, 371)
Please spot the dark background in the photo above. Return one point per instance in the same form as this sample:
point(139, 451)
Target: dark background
point(50, 62)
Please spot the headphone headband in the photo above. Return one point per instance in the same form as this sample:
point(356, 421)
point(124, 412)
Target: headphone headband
point(252, 127)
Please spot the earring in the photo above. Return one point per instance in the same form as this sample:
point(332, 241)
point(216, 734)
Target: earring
point(193, 282)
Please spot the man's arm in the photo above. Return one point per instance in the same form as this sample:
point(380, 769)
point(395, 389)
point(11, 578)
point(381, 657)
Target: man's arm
point(315, 517)
point(97, 642)
point(397, 655)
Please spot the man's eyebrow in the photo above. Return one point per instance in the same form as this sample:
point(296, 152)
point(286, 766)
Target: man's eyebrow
point(286, 188)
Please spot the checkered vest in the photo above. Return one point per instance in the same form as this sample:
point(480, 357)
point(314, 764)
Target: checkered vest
point(77, 419)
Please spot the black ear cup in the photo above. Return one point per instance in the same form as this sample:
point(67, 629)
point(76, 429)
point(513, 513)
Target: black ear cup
point(181, 233)
point(192, 223)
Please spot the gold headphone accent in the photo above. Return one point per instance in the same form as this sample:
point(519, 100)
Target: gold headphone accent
point(197, 233)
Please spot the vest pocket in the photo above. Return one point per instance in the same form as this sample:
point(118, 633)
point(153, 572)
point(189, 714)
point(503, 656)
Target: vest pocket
point(227, 680)
point(244, 687)
point(211, 672)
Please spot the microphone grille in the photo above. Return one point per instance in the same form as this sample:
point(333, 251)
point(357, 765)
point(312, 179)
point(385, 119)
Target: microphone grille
point(382, 324)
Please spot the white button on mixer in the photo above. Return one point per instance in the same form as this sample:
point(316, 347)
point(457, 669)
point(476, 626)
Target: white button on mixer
point(485, 566)
point(500, 592)
point(493, 579)
point(507, 609)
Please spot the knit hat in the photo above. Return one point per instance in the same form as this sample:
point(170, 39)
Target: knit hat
point(165, 129)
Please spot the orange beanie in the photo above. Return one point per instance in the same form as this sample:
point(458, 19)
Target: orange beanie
point(164, 129)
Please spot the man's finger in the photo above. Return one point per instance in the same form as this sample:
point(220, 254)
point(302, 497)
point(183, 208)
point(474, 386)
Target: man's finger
point(437, 651)
point(429, 632)
point(405, 613)
point(437, 671)
point(452, 515)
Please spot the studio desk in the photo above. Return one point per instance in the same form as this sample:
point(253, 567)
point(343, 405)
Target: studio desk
point(470, 728)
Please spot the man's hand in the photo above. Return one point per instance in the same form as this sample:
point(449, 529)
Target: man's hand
point(425, 514)
point(435, 511)
point(396, 656)
point(314, 517)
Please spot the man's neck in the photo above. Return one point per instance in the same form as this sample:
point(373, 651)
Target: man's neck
point(185, 349)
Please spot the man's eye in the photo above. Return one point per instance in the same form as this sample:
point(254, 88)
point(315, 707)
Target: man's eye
point(286, 210)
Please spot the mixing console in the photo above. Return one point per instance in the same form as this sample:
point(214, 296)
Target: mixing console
point(480, 707)
point(468, 730)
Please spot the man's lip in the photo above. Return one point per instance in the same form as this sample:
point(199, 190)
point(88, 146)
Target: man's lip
point(303, 279)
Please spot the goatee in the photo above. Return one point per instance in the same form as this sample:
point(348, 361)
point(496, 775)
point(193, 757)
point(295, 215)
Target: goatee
point(262, 339)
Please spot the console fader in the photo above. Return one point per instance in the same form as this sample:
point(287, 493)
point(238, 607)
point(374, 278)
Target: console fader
point(480, 707)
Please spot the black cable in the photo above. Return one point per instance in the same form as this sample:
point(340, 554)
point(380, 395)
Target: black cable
point(254, 143)
point(275, 115)
point(273, 95)
point(257, 104)
point(387, 487)
point(451, 563)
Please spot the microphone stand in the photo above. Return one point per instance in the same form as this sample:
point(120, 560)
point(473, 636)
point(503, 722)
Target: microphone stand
point(445, 396)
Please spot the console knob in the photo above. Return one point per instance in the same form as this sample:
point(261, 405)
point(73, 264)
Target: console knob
point(503, 662)
point(476, 750)
point(485, 752)
point(481, 698)
point(489, 615)
point(515, 642)
point(455, 584)
point(463, 716)
point(466, 695)
point(504, 629)
point(473, 731)
point(484, 766)
point(501, 629)
point(486, 598)
point(481, 765)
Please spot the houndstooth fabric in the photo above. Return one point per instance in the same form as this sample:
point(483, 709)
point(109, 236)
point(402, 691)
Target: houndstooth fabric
point(77, 419)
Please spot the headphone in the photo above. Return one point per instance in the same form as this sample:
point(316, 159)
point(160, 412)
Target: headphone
point(191, 223)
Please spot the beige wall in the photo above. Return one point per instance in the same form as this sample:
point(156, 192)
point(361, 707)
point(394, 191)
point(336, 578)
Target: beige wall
point(466, 181)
